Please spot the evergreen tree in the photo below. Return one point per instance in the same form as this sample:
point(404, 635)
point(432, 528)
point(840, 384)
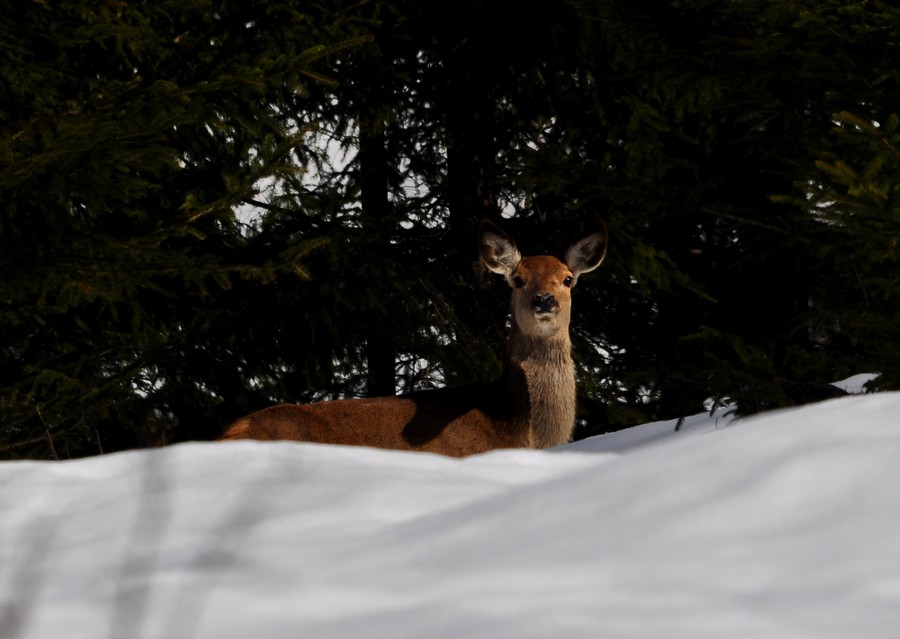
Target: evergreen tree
point(130, 135)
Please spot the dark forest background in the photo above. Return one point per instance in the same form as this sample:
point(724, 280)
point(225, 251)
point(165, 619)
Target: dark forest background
point(208, 206)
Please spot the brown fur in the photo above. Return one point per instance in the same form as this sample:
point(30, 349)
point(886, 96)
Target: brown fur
point(531, 406)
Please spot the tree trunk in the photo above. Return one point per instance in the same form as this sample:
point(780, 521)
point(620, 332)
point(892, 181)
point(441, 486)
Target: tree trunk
point(380, 346)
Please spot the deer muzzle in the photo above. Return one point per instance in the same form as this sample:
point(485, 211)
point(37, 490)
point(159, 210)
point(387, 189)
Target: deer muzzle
point(544, 304)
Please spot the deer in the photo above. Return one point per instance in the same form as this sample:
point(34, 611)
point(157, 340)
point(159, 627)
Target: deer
point(532, 405)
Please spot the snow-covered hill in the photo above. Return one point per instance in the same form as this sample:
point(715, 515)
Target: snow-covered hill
point(783, 525)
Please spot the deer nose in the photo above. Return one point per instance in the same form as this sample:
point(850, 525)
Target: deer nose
point(544, 303)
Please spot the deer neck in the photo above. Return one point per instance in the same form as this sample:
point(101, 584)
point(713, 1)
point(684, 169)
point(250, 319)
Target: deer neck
point(549, 374)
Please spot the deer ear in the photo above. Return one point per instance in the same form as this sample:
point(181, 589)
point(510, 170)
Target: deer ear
point(586, 253)
point(497, 249)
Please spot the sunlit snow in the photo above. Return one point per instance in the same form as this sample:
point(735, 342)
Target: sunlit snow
point(782, 525)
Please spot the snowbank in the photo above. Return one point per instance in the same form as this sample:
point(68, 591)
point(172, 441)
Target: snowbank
point(784, 525)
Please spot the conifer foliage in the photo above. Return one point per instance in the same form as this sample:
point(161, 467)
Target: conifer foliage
point(131, 134)
point(206, 207)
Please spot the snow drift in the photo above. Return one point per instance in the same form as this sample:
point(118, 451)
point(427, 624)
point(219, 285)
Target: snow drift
point(783, 525)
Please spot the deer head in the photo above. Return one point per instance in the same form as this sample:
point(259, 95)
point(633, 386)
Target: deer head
point(542, 285)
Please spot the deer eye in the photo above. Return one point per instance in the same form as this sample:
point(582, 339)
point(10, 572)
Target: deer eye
point(568, 281)
point(518, 282)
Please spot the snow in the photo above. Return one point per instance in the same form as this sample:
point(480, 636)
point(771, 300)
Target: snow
point(856, 384)
point(781, 525)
